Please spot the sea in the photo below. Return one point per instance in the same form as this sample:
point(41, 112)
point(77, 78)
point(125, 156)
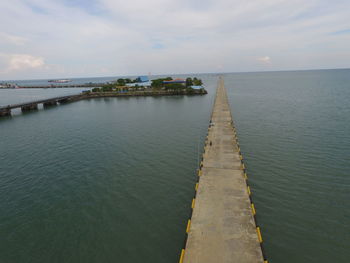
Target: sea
point(112, 179)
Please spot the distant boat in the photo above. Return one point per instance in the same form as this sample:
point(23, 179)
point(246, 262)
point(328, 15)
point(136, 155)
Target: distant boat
point(59, 80)
point(9, 86)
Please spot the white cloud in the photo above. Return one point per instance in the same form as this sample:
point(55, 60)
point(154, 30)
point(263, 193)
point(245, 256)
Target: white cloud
point(194, 36)
point(265, 59)
point(12, 39)
point(20, 62)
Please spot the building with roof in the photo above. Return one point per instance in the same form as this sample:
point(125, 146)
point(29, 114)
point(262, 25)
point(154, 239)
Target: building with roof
point(178, 81)
point(197, 87)
point(139, 84)
point(142, 79)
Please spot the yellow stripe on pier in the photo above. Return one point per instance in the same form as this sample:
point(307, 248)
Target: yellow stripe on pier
point(222, 226)
point(182, 256)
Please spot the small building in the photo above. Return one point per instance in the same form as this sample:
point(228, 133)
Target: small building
point(197, 87)
point(142, 79)
point(139, 84)
point(177, 81)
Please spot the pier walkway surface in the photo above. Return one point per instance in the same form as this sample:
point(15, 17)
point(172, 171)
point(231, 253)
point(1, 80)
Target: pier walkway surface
point(222, 228)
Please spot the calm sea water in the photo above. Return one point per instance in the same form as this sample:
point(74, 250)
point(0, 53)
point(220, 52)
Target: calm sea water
point(111, 180)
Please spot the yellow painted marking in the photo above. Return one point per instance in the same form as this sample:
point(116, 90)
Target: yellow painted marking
point(243, 167)
point(188, 226)
point(248, 188)
point(199, 172)
point(241, 157)
point(182, 256)
point(193, 202)
point(196, 187)
point(265, 261)
point(253, 210)
point(245, 176)
point(259, 234)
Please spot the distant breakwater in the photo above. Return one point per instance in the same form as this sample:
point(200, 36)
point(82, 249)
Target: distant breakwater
point(91, 95)
point(146, 93)
point(87, 85)
point(33, 105)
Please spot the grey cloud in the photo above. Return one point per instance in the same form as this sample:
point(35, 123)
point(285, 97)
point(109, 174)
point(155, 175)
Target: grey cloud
point(122, 38)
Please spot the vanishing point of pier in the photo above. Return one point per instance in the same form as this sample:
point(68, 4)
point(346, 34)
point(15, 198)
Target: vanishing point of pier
point(222, 227)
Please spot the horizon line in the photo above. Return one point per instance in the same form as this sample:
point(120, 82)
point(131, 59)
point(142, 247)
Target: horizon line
point(191, 73)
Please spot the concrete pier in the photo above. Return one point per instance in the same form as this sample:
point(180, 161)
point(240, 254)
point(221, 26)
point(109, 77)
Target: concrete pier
point(33, 105)
point(30, 107)
point(65, 100)
point(5, 112)
point(50, 103)
point(222, 227)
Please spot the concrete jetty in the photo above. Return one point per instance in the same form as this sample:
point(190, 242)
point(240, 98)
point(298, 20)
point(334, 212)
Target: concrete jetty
point(222, 227)
point(33, 105)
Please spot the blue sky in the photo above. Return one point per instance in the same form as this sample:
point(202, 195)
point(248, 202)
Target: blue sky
point(78, 38)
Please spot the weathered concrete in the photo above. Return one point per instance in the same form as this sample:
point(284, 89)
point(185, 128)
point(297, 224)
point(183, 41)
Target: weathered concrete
point(30, 107)
point(222, 227)
point(33, 105)
point(5, 112)
point(65, 100)
point(50, 103)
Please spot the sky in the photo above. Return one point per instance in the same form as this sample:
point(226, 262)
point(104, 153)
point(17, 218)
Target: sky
point(92, 38)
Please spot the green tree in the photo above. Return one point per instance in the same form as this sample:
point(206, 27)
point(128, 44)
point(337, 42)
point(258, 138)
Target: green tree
point(190, 90)
point(197, 82)
point(121, 82)
point(189, 82)
point(106, 88)
point(158, 83)
point(174, 86)
point(96, 90)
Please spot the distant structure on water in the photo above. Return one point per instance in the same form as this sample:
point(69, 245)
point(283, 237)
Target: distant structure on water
point(141, 81)
point(59, 80)
point(8, 86)
point(174, 81)
point(197, 87)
